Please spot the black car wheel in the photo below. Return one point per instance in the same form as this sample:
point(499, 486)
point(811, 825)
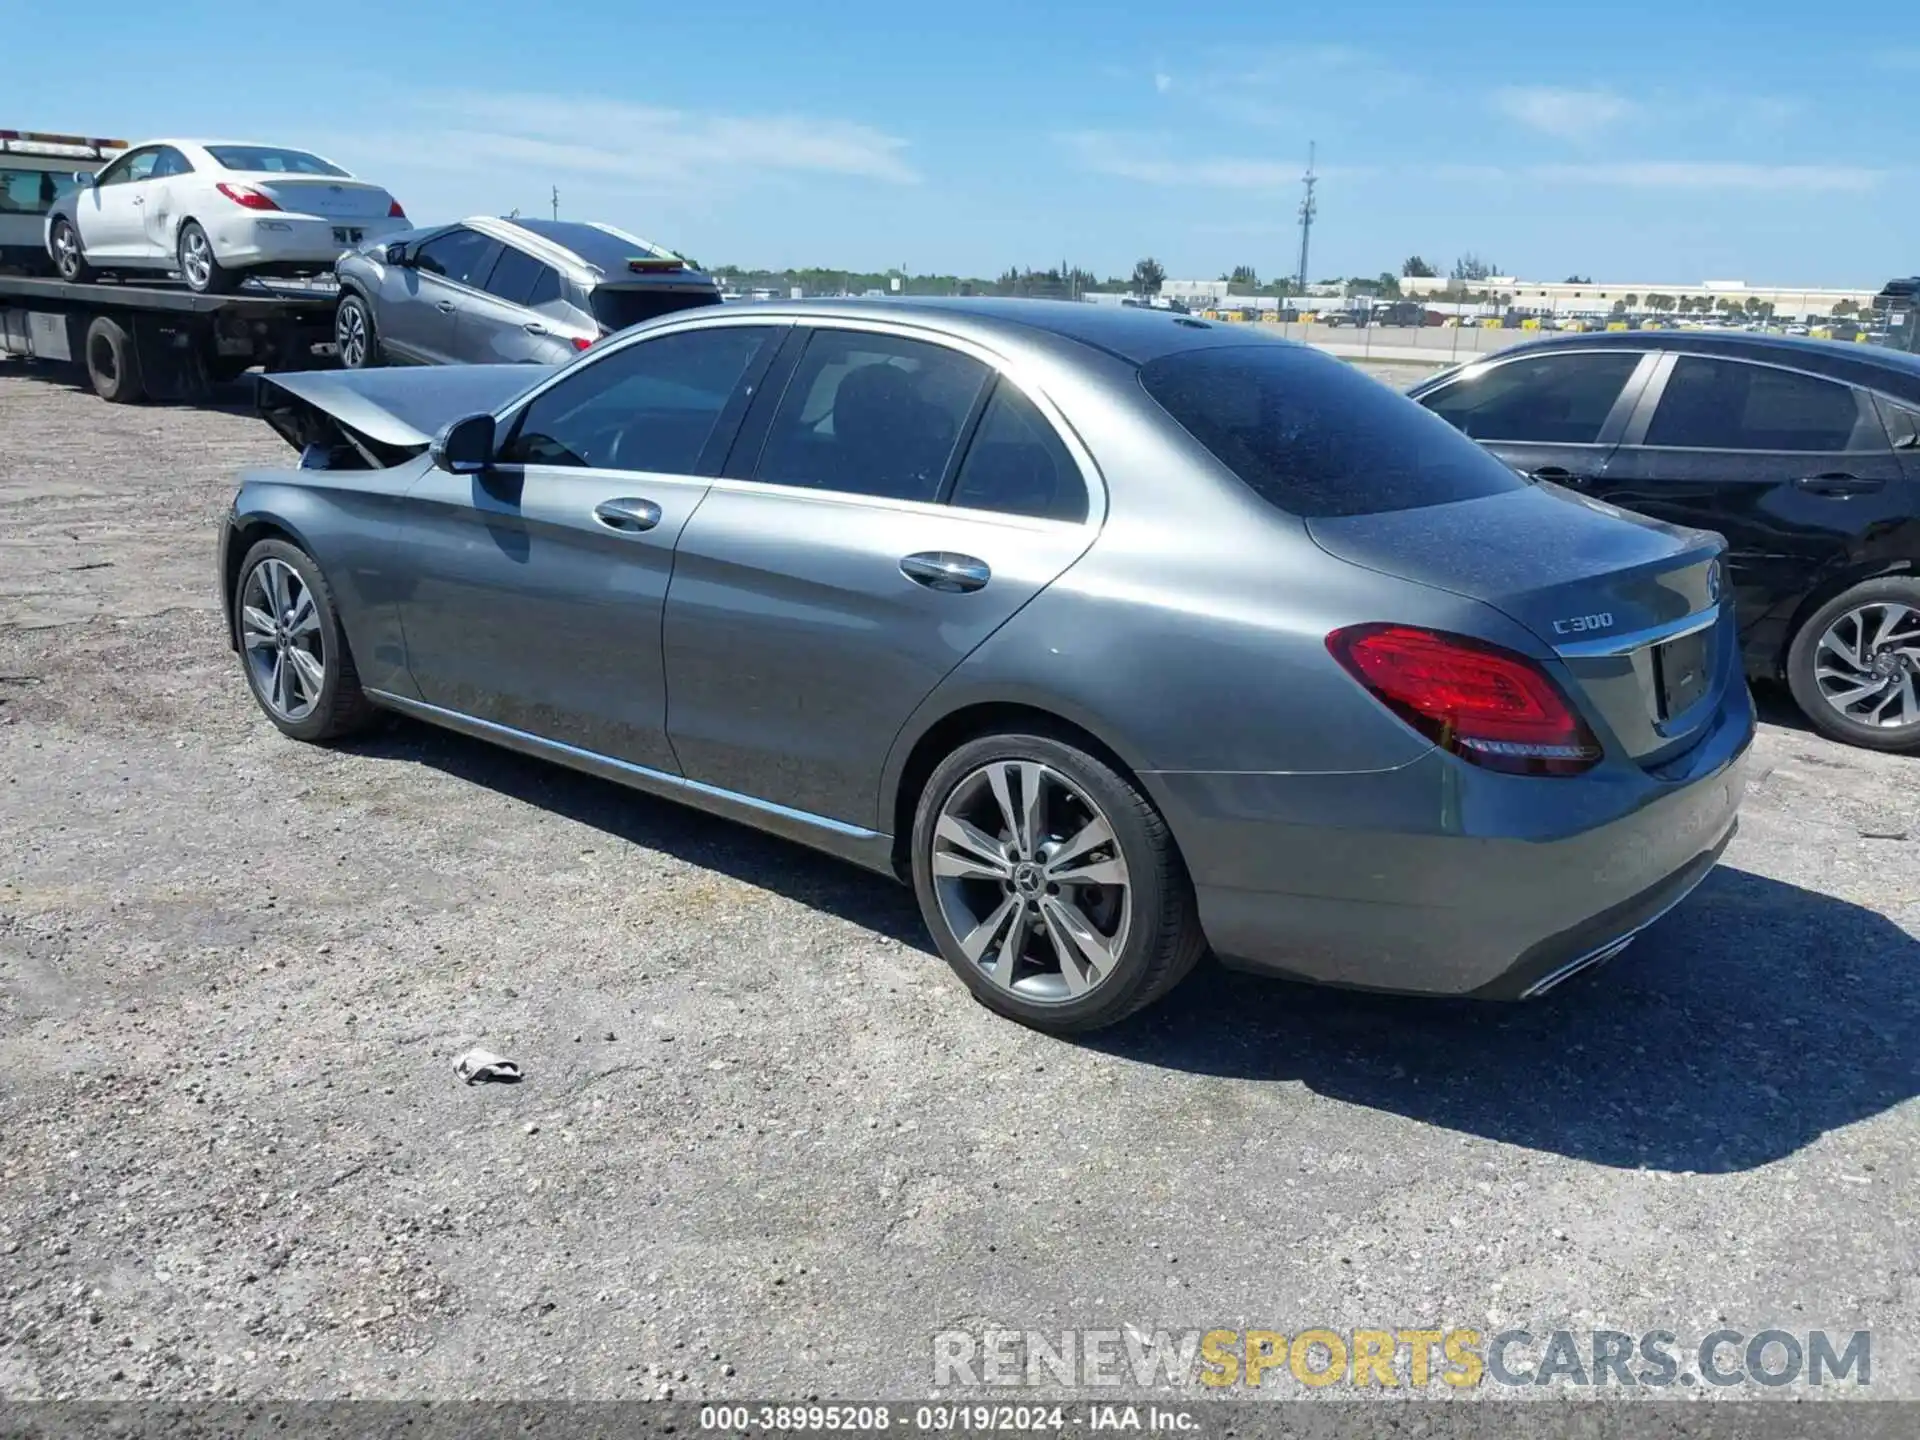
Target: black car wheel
point(1051, 884)
point(293, 647)
point(1854, 666)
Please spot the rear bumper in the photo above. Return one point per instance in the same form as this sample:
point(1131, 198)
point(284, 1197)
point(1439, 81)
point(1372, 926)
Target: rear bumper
point(257, 238)
point(1443, 879)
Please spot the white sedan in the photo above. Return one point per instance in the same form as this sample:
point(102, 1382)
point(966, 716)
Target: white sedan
point(213, 211)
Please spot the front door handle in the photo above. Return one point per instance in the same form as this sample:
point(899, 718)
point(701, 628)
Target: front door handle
point(534, 327)
point(628, 515)
point(1557, 475)
point(1839, 484)
point(445, 307)
point(945, 571)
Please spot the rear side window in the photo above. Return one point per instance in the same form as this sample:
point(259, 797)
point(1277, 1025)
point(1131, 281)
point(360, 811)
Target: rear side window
point(462, 255)
point(871, 415)
point(1545, 399)
point(1018, 465)
point(617, 309)
point(1315, 437)
point(515, 275)
point(1730, 405)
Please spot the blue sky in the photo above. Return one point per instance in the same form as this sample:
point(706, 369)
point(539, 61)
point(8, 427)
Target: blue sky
point(1675, 142)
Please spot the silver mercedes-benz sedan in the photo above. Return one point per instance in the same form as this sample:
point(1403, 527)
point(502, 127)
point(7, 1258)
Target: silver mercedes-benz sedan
point(1120, 635)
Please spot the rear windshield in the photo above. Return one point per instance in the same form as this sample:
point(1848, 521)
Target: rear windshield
point(617, 309)
point(1316, 437)
point(268, 158)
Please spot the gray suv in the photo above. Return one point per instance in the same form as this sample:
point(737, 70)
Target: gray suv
point(486, 291)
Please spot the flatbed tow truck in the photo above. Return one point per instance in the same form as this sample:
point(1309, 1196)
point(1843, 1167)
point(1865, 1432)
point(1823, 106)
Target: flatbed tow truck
point(157, 342)
point(146, 339)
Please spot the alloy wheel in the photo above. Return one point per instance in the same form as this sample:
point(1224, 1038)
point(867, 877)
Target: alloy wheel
point(1031, 881)
point(281, 636)
point(350, 335)
point(1867, 662)
point(66, 250)
point(196, 257)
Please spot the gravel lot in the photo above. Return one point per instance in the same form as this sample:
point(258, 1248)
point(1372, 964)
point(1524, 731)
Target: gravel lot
point(766, 1146)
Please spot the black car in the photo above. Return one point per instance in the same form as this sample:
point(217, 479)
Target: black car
point(1804, 454)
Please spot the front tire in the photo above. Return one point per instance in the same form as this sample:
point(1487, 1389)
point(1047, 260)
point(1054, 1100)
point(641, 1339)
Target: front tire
point(199, 267)
point(63, 242)
point(293, 647)
point(1051, 884)
point(353, 334)
point(1854, 666)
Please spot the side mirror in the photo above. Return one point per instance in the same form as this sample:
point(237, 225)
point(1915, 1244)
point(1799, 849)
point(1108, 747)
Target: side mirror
point(83, 179)
point(465, 447)
point(397, 254)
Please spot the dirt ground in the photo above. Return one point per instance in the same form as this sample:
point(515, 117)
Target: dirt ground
point(766, 1146)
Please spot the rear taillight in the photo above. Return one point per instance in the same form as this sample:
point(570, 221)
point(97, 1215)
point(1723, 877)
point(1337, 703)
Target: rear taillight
point(1481, 702)
point(580, 342)
point(394, 212)
point(246, 195)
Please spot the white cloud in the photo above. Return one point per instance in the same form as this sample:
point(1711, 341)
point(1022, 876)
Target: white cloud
point(1565, 114)
point(1147, 159)
point(647, 146)
point(1162, 81)
point(1782, 180)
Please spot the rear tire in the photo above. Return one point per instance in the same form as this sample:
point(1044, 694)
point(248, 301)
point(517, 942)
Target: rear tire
point(69, 260)
point(281, 596)
point(1132, 901)
point(354, 335)
point(1854, 666)
point(203, 273)
point(113, 362)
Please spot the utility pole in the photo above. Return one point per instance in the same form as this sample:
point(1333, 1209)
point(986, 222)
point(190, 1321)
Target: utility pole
point(1308, 209)
point(556, 211)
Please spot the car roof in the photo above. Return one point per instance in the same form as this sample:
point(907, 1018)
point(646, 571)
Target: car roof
point(1874, 366)
point(589, 254)
point(1135, 334)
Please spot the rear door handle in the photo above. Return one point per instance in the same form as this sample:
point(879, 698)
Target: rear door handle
point(445, 307)
point(945, 571)
point(1838, 483)
point(628, 514)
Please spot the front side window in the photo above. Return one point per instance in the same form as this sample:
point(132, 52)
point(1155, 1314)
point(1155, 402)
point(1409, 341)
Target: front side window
point(1018, 465)
point(271, 160)
point(1730, 405)
point(1314, 437)
point(651, 406)
point(461, 255)
point(130, 167)
point(871, 415)
point(1546, 400)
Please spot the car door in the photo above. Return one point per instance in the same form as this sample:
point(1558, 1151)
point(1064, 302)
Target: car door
point(497, 324)
point(823, 588)
point(167, 190)
point(1794, 469)
point(537, 584)
point(109, 213)
point(1553, 415)
point(420, 304)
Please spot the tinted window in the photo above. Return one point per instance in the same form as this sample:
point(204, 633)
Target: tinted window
point(134, 165)
point(32, 192)
point(545, 289)
point(871, 415)
point(272, 159)
point(1729, 405)
point(1315, 437)
point(458, 255)
point(651, 406)
point(1018, 465)
point(1549, 399)
point(513, 275)
point(617, 309)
